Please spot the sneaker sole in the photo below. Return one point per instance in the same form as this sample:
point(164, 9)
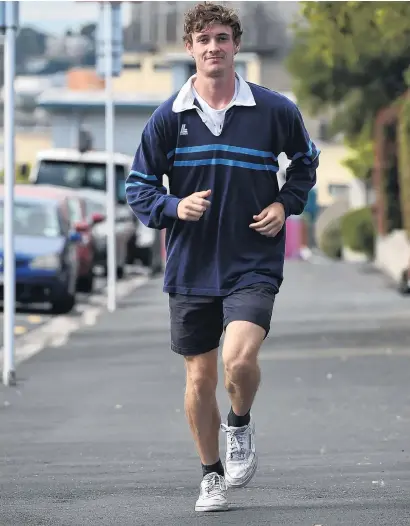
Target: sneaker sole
point(212, 507)
point(232, 483)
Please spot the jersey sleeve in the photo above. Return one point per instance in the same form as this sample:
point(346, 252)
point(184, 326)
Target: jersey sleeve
point(301, 172)
point(145, 191)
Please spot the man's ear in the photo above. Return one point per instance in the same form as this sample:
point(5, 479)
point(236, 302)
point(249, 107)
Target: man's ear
point(237, 47)
point(188, 47)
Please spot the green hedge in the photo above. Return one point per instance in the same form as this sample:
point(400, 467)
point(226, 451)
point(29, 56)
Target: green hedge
point(330, 242)
point(358, 231)
point(20, 179)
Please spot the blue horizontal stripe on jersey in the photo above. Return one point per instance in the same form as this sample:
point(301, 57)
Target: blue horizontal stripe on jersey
point(143, 176)
point(223, 148)
point(227, 162)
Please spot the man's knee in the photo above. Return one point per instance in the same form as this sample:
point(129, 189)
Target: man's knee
point(242, 343)
point(202, 373)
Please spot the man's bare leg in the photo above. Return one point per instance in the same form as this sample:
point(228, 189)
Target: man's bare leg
point(201, 407)
point(242, 378)
point(204, 419)
point(240, 356)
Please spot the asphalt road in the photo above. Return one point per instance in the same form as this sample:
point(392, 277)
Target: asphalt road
point(33, 316)
point(94, 433)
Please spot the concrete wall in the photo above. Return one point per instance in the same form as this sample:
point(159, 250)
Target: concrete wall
point(331, 172)
point(159, 74)
point(27, 145)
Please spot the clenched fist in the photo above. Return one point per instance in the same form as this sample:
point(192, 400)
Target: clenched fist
point(192, 208)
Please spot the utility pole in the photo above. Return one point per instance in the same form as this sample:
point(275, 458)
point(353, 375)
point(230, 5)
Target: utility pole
point(8, 24)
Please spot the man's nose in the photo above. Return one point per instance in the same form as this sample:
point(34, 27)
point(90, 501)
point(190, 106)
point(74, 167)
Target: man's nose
point(213, 46)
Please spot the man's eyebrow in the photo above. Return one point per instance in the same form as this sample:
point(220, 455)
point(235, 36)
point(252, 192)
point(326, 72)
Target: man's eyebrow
point(218, 34)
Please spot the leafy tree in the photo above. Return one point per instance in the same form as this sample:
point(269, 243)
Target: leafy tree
point(352, 57)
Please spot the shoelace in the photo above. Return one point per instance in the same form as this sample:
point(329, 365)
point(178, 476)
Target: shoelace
point(212, 482)
point(236, 442)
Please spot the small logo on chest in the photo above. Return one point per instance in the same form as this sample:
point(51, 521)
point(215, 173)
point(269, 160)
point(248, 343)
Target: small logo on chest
point(184, 130)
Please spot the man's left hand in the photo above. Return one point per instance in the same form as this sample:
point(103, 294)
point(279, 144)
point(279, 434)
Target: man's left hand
point(270, 221)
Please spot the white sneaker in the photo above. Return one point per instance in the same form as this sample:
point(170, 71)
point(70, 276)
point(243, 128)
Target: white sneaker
point(241, 460)
point(212, 495)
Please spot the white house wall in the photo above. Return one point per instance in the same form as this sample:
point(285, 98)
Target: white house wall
point(127, 134)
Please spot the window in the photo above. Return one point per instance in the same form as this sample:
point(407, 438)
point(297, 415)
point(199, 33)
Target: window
point(161, 67)
point(132, 65)
point(34, 219)
point(81, 175)
point(338, 190)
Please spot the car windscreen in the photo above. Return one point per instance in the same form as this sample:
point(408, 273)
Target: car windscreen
point(80, 175)
point(33, 219)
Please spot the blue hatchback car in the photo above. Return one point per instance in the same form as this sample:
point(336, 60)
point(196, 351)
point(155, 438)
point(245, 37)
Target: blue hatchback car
point(45, 248)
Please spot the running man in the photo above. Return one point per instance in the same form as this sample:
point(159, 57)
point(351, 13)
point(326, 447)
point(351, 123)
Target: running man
point(218, 140)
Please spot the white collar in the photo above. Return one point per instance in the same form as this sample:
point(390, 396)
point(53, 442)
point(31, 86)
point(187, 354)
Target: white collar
point(185, 98)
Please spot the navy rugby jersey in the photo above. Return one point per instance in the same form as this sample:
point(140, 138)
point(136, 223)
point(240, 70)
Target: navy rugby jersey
point(220, 253)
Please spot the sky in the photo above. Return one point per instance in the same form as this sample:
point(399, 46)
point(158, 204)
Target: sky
point(56, 16)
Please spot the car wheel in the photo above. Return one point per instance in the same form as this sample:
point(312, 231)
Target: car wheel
point(120, 272)
point(404, 284)
point(85, 284)
point(130, 258)
point(64, 304)
point(145, 256)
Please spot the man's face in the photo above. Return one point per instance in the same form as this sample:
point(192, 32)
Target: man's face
point(213, 50)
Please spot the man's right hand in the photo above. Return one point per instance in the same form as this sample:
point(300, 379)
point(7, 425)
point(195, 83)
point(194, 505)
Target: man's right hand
point(192, 208)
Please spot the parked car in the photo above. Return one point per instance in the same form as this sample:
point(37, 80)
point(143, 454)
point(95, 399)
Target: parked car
point(148, 248)
point(79, 221)
point(96, 206)
point(87, 169)
point(45, 244)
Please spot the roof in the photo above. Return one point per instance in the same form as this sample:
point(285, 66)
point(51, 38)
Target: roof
point(58, 98)
point(92, 156)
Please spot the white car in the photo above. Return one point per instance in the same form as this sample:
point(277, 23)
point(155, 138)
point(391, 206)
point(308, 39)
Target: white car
point(87, 170)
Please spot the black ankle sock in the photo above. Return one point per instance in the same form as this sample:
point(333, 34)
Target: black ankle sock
point(213, 468)
point(238, 421)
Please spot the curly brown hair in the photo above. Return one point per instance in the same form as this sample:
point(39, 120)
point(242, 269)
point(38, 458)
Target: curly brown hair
point(206, 14)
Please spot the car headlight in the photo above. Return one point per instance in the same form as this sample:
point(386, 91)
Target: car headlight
point(49, 262)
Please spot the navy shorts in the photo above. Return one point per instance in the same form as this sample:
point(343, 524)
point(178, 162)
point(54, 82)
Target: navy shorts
point(198, 322)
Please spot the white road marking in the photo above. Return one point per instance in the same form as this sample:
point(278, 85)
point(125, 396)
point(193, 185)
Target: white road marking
point(91, 315)
point(56, 332)
point(34, 319)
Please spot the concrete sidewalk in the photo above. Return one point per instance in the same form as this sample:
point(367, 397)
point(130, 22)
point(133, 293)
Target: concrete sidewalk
point(95, 432)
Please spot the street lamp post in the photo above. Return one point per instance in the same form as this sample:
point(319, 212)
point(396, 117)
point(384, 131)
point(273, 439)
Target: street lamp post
point(9, 24)
point(109, 53)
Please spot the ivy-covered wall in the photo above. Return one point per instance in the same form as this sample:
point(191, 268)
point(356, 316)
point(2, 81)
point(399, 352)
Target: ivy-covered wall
point(391, 178)
point(403, 142)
